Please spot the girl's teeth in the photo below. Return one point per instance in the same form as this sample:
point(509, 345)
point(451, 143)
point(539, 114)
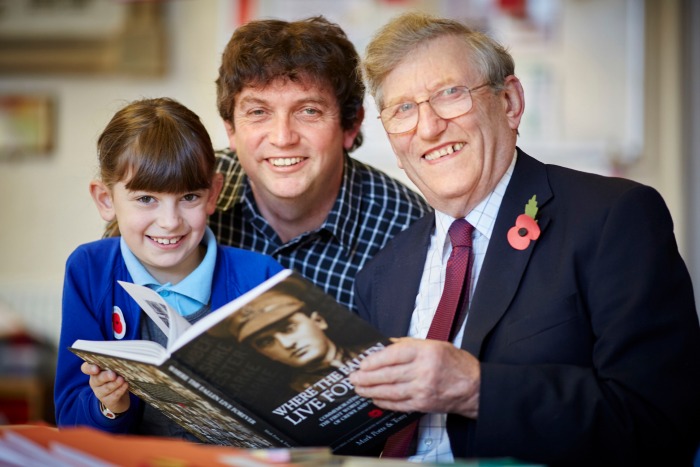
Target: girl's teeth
point(167, 241)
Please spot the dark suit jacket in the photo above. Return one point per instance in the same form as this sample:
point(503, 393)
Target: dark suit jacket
point(588, 339)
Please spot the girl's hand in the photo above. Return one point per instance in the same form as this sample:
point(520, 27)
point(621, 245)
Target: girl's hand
point(110, 388)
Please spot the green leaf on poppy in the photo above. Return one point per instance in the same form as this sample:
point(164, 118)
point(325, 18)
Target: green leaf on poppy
point(531, 207)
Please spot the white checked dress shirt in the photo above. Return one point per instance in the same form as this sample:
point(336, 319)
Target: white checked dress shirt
point(433, 442)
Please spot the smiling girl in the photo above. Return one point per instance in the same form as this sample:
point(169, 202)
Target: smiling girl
point(156, 189)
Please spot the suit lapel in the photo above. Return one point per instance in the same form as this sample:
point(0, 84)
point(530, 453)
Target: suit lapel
point(398, 280)
point(504, 266)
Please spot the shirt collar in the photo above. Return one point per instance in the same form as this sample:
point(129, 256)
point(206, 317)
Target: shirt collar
point(197, 285)
point(482, 217)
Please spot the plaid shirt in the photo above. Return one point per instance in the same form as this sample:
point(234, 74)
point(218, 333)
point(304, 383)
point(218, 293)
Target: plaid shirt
point(371, 208)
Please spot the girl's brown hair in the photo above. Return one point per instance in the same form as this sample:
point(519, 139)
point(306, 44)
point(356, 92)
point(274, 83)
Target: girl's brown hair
point(156, 145)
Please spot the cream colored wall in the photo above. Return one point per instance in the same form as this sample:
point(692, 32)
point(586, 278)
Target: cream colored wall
point(45, 208)
point(46, 211)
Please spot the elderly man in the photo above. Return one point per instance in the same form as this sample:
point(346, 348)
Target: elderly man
point(566, 332)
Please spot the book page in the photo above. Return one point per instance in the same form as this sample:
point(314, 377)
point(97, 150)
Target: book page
point(168, 320)
point(138, 350)
point(24, 451)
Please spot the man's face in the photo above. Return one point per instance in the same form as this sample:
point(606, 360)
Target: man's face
point(298, 340)
point(289, 140)
point(455, 163)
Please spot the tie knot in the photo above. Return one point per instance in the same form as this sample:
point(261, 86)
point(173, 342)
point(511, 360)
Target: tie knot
point(460, 233)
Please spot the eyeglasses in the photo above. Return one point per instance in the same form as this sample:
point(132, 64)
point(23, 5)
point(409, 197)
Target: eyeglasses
point(446, 103)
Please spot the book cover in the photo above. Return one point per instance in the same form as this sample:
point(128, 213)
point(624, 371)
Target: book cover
point(269, 369)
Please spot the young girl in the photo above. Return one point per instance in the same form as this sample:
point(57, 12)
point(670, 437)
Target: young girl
point(157, 188)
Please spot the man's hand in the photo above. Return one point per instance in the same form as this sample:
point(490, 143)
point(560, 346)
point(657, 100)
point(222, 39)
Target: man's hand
point(416, 375)
point(109, 387)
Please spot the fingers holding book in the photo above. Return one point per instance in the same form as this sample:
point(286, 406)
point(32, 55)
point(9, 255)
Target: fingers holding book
point(110, 389)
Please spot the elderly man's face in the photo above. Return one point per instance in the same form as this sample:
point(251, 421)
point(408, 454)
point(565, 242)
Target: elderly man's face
point(454, 162)
point(298, 340)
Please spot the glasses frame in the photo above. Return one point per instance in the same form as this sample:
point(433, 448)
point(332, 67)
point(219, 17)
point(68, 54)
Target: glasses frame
point(469, 91)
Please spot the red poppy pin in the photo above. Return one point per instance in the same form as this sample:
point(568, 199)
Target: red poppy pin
point(118, 323)
point(525, 228)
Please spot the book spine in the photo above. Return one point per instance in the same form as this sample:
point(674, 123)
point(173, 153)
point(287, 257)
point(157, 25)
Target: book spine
point(229, 405)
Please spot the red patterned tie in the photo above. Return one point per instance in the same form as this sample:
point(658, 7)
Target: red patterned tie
point(454, 294)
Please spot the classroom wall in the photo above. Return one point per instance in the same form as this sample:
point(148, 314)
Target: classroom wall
point(45, 207)
point(46, 211)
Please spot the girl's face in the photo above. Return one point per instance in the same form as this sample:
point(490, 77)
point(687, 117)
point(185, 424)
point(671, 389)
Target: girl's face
point(163, 230)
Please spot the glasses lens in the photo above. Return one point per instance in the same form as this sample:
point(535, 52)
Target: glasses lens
point(447, 103)
point(400, 118)
point(451, 102)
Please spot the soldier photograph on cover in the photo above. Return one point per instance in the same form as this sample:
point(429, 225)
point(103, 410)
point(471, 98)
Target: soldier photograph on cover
point(283, 328)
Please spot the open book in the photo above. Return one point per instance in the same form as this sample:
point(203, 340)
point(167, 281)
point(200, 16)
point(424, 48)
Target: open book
point(268, 369)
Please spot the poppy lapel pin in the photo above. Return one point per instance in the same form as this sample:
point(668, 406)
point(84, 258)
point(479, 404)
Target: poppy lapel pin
point(118, 323)
point(525, 228)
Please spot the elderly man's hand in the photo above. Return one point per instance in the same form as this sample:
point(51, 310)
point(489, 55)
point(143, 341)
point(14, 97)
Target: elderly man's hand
point(422, 376)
